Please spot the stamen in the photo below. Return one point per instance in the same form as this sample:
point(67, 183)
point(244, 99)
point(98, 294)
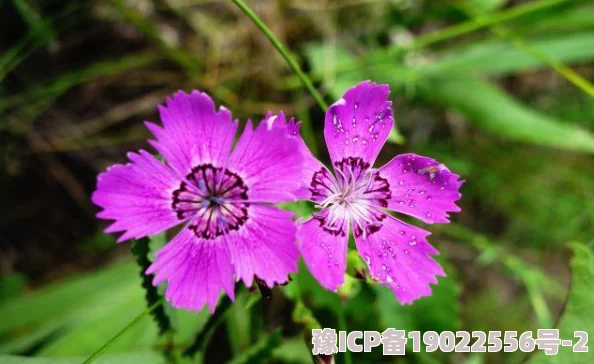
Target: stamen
point(214, 199)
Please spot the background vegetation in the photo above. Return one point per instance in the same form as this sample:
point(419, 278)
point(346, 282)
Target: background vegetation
point(497, 90)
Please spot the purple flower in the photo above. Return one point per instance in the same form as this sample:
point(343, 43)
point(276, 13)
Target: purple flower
point(221, 196)
point(357, 196)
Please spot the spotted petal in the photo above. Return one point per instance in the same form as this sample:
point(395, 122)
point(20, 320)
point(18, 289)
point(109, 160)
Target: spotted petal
point(196, 270)
point(398, 255)
point(265, 247)
point(324, 250)
point(422, 187)
point(137, 196)
point(359, 123)
point(193, 132)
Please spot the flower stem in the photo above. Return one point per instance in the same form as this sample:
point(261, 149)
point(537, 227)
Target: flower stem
point(281, 49)
point(117, 336)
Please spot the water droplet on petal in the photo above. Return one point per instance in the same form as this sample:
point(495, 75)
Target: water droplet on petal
point(412, 243)
point(384, 267)
point(402, 232)
point(405, 251)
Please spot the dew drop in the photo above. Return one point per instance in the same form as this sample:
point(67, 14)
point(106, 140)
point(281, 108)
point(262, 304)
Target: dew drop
point(429, 198)
point(367, 260)
point(389, 279)
point(442, 188)
point(355, 139)
point(412, 243)
point(428, 214)
point(411, 205)
point(401, 202)
point(405, 251)
point(401, 182)
point(402, 232)
point(384, 267)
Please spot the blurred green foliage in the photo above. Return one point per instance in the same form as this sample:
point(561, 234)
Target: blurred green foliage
point(488, 87)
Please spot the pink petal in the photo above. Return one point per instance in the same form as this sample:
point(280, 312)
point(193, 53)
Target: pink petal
point(324, 252)
point(193, 132)
point(310, 164)
point(398, 255)
point(422, 187)
point(196, 271)
point(265, 247)
point(359, 123)
point(137, 196)
point(268, 162)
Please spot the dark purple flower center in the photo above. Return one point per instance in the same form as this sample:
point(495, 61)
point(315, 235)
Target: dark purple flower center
point(214, 198)
point(356, 196)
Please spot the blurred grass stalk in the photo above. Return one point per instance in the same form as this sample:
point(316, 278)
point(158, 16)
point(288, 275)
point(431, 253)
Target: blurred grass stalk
point(564, 71)
point(283, 52)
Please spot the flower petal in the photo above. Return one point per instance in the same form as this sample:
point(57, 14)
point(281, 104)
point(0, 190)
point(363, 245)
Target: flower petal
point(359, 123)
point(310, 164)
point(196, 270)
point(265, 247)
point(398, 255)
point(193, 132)
point(422, 187)
point(137, 196)
point(324, 252)
point(269, 163)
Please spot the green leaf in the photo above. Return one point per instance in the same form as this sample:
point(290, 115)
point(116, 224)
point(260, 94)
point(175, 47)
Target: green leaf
point(579, 313)
point(147, 357)
point(485, 5)
point(498, 57)
point(493, 110)
point(140, 249)
point(62, 300)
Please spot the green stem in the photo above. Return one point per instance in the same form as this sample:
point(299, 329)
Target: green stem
point(117, 336)
point(281, 49)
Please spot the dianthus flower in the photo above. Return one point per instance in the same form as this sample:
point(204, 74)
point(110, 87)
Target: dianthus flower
point(358, 196)
point(221, 194)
